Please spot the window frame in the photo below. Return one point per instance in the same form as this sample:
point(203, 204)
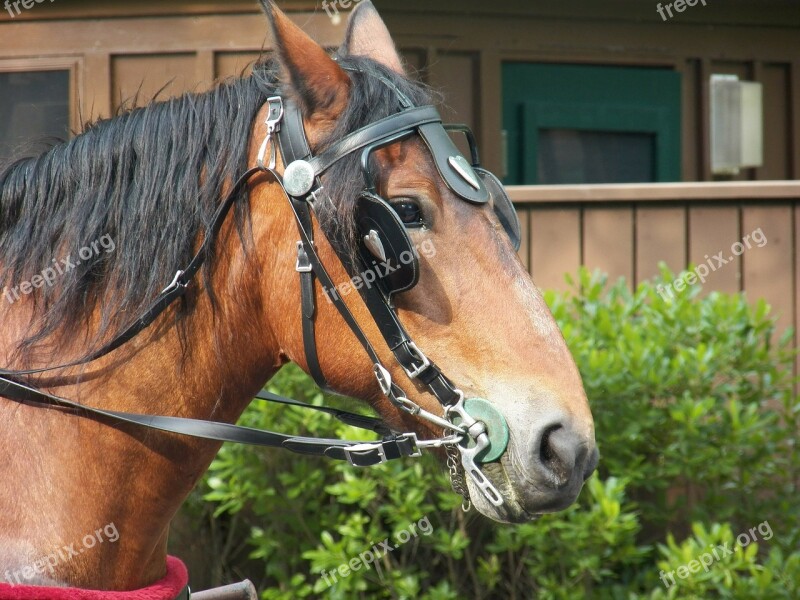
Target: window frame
point(74, 67)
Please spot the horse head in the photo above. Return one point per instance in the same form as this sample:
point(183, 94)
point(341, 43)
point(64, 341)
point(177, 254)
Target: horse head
point(471, 307)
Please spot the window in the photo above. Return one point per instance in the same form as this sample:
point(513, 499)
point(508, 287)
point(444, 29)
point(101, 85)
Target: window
point(580, 156)
point(591, 124)
point(34, 110)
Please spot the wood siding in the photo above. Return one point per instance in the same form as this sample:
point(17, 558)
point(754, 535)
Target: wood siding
point(121, 49)
point(626, 230)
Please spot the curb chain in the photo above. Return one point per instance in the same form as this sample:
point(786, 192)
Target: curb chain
point(457, 480)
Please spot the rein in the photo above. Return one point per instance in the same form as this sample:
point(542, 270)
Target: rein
point(302, 185)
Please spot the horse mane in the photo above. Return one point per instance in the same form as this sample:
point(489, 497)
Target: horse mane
point(147, 182)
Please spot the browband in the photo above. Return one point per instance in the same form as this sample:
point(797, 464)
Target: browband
point(409, 119)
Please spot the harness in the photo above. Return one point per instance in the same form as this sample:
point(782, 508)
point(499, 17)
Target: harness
point(474, 430)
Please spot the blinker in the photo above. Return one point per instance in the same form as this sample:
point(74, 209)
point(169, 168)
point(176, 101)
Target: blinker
point(454, 169)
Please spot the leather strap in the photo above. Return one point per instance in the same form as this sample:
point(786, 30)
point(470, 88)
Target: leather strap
point(309, 313)
point(168, 295)
point(409, 119)
point(294, 146)
point(293, 139)
point(349, 418)
point(363, 454)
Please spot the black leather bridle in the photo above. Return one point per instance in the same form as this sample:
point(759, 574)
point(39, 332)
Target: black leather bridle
point(301, 181)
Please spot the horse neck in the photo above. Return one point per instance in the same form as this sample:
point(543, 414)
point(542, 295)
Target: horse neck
point(69, 476)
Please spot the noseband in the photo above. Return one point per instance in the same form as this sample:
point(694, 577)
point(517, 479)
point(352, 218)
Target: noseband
point(385, 250)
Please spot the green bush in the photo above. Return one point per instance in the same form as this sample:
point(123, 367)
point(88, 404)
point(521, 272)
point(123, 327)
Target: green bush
point(689, 394)
point(696, 423)
point(730, 569)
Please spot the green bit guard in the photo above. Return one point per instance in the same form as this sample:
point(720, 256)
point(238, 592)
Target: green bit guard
point(496, 428)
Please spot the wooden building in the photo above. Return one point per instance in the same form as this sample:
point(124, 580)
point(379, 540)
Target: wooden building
point(621, 81)
point(610, 66)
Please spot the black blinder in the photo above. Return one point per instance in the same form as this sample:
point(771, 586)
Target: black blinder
point(483, 185)
point(386, 250)
point(503, 208)
point(455, 170)
point(388, 256)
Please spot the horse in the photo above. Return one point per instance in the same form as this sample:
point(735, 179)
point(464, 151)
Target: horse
point(92, 230)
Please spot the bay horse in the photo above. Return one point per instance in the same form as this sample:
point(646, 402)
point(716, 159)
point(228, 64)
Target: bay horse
point(92, 230)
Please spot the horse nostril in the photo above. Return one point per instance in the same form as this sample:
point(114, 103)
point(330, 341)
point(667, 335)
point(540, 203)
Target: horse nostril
point(560, 451)
point(546, 453)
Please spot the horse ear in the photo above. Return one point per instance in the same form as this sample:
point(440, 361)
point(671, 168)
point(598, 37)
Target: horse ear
point(320, 85)
point(368, 36)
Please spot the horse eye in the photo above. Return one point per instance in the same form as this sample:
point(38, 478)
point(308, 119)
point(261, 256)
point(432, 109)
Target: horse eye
point(409, 212)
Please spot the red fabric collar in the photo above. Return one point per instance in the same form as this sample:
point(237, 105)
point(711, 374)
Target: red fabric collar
point(168, 588)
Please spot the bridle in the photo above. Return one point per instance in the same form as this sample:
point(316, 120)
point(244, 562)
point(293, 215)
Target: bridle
point(384, 238)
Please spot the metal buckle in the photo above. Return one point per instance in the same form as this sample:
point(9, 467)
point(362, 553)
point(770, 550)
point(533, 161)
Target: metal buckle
point(384, 378)
point(413, 437)
point(313, 196)
point(414, 372)
point(175, 283)
point(273, 123)
point(303, 264)
point(364, 450)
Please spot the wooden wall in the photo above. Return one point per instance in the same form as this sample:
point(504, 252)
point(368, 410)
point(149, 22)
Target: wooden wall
point(114, 57)
point(458, 47)
point(626, 230)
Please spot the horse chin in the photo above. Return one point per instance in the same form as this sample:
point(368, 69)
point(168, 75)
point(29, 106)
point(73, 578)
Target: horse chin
point(522, 503)
point(511, 511)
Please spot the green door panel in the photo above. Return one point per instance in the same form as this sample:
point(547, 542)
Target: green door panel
point(614, 100)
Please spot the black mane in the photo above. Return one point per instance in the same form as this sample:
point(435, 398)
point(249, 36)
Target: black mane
point(149, 180)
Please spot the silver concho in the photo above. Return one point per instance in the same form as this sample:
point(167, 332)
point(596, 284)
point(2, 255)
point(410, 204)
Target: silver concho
point(298, 178)
point(463, 168)
point(373, 243)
